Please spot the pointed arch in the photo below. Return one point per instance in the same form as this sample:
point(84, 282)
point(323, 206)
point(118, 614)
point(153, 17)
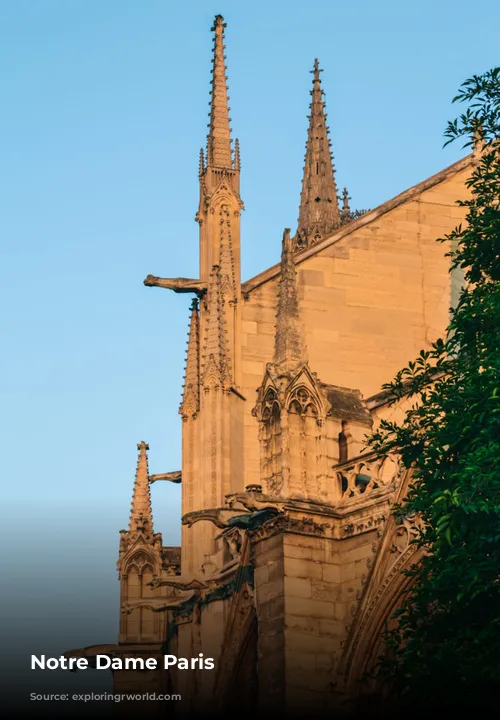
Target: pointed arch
point(133, 592)
point(303, 401)
point(149, 619)
point(367, 644)
point(305, 396)
point(138, 556)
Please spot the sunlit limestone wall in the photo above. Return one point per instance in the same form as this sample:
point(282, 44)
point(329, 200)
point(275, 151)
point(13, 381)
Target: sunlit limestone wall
point(305, 589)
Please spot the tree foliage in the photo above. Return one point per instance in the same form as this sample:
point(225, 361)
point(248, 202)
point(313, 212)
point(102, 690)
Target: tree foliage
point(446, 648)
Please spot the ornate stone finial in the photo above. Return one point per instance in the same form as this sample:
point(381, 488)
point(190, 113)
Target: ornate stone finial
point(319, 212)
point(345, 201)
point(141, 515)
point(190, 404)
point(289, 345)
point(347, 215)
point(219, 137)
point(202, 163)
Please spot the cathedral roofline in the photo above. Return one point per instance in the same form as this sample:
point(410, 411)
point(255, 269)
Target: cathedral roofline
point(365, 219)
point(385, 397)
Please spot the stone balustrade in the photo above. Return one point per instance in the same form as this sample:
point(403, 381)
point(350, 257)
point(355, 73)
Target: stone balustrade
point(366, 473)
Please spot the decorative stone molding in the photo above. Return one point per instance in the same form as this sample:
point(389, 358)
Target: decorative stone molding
point(285, 523)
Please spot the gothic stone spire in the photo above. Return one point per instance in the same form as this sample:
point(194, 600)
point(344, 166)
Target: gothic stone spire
point(141, 515)
point(219, 137)
point(191, 395)
point(219, 167)
point(319, 212)
point(290, 347)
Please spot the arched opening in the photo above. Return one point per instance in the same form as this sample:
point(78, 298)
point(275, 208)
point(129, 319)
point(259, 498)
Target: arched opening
point(343, 443)
point(133, 593)
point(148, 619)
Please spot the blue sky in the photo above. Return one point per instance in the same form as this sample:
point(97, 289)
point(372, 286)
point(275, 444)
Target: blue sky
point(103, 111)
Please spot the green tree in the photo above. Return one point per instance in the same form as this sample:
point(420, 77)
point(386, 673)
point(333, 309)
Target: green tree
point(446, 649)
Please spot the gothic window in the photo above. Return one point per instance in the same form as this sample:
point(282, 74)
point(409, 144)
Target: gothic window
point(294, 407)
point(133, 619)
point(134, 585)
point(271, 409)
point(303, 403)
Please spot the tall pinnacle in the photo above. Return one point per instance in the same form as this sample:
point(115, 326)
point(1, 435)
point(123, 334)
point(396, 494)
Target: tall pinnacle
point(191, 397)
point(141, 516)
point(319, 212)
point(219, 137)
point(289, 344)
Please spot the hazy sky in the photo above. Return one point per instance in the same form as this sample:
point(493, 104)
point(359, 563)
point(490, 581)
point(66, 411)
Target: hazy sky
point(103, 110)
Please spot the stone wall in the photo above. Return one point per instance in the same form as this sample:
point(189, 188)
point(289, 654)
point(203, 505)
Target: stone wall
point(305, 588)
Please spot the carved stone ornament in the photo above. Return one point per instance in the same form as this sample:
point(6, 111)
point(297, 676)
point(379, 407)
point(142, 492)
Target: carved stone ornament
point(285, 523)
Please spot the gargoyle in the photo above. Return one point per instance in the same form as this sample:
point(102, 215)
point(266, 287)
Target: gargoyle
point(226, 517)
point(178, 285)
point(253, 502)
point(218, 516)
point(179, 584)
point(155, 604)
point(250, 521)
point(174, 477)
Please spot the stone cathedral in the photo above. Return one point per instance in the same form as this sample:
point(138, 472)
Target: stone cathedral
point(291, 564)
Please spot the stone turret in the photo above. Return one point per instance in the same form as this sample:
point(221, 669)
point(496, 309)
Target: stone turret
point(140, 560)
point(292, 405)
